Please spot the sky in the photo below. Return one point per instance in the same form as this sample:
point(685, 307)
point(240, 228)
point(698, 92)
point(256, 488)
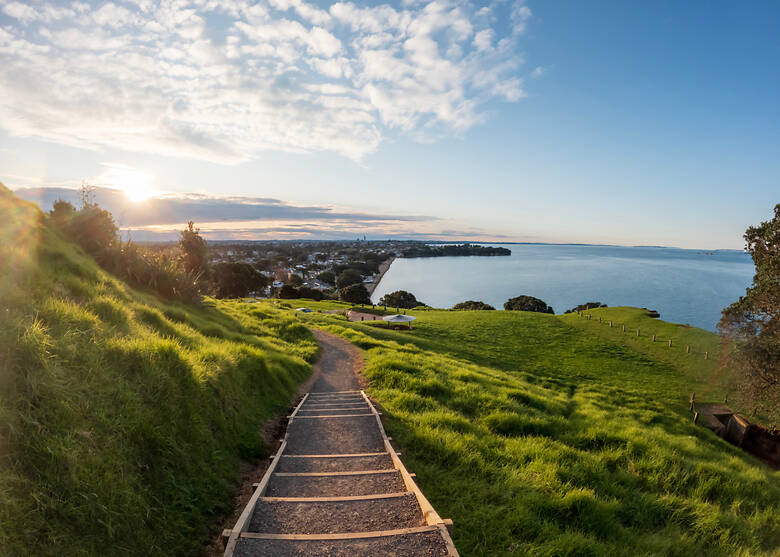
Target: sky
point(629, 123)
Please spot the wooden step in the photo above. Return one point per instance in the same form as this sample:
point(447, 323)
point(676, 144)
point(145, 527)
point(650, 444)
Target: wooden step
point(381, 461)
point(353, 434)
point(335, 484)
point(336, 515)
point(423, 541)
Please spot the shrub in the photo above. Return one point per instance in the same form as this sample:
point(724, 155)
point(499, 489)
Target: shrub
point(527, 303)
point(585, 307)
point(355, 294)
point(400, 299)
point(349, 277)
point(236, 280)
point(471, 305)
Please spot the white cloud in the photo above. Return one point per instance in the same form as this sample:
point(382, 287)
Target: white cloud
point(224, 79)
point(22, 12)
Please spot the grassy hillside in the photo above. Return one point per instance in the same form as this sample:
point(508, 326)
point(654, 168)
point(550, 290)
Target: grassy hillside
point(123, 418)
point(542, 438)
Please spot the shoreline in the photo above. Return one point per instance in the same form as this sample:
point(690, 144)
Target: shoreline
point(383, 268)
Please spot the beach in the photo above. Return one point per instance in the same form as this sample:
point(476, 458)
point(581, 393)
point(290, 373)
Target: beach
point(378, 278)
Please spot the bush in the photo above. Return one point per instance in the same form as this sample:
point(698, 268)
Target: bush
point(527, 303)
point(349, 277)
point(236, 280)
point(400, 299)
point(327, 277)
point(310, 293)
point(288, 292)
point(471, 305)
point(585, 307)
point(355, 294)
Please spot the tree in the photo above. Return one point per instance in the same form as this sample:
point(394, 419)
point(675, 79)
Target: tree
point(400, 299)
point(310, 293)
point(753, 321)
point(354, 294)
point(296, 280)
point(471, 305)
point(236, 280)
point(194, 251)
point(94, 229)
point(288, 292)
point(585, 307)
point(62, 211)
point(527, 303)
point(349, 277)
point(327, 277)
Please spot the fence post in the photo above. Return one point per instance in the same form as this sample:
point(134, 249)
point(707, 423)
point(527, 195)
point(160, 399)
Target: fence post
point(670, 343)
point(687, 348)
point(653, 338)
point(624, 328)
point(692, 400)
point(637, 331)
point(610, 323)
point(706, 355)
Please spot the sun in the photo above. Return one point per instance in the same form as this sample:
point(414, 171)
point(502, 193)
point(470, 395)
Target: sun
point(136, 184)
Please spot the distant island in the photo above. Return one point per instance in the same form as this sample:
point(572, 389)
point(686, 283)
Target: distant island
point(426, 250)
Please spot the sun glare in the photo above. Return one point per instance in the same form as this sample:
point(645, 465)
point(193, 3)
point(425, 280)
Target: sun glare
point(136, 185)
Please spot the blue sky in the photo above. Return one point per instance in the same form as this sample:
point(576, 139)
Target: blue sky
point(609, 122)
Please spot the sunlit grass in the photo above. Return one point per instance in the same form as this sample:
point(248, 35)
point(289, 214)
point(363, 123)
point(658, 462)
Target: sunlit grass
point(539, 438)
point(123, 418)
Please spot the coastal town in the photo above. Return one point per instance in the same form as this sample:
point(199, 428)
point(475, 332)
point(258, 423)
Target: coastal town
point(326, 266)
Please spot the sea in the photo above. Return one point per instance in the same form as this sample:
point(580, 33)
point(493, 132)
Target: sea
point(683, 285)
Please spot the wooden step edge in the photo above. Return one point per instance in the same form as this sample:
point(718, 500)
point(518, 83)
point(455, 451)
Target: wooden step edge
point(345, 455)
point(332, 393)
point(299, 417)
point(326, 474)
point(336, 499)
point(340, 536)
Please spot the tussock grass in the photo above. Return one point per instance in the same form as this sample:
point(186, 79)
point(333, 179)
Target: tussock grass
point(123, 418)
point(539, 438)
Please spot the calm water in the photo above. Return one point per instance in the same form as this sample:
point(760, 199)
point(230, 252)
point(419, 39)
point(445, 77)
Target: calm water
point(685, 286)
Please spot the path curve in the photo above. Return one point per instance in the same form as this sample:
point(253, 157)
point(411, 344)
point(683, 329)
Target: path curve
point(336, 487)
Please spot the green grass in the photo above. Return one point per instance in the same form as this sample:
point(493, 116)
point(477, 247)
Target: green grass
point(541, 437)
point(123, 418)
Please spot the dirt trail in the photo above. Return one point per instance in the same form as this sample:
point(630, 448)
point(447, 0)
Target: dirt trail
point(337, 487)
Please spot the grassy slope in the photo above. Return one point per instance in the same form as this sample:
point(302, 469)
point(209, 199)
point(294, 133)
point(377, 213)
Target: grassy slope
point(122, 418)
point(542, 438)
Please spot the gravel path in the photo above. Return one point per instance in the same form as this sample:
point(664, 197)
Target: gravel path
point(368, 515)
point(338, 464)
point(343, 469)
point(425, 544)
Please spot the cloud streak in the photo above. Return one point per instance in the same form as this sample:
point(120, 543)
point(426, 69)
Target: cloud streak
point(224, 80)
point(247, 218)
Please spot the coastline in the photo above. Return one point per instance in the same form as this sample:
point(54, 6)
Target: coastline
point(382, 270)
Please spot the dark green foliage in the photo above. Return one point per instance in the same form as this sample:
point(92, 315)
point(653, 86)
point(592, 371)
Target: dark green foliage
point(194, 251)
point(310, 293)
point(471, 305)
point(586, 306)
point(754, 320)
point(236, 280)
point(425, 250)
point(355, 294)
point(349, 277)
point(400, 299)
point(288, 292)
point(94, 230)
point(327, 277)
point(527, 303)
